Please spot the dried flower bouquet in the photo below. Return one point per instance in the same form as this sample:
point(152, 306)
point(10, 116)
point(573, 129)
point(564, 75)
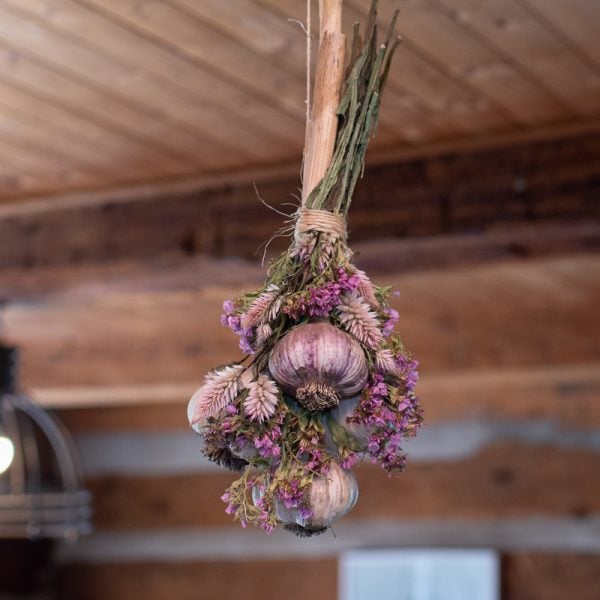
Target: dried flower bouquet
point(325, 381)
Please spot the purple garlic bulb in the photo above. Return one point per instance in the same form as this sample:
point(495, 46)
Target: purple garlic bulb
point(319, 364)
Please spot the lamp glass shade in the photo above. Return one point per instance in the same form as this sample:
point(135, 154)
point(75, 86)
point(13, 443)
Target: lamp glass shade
point(7, 453)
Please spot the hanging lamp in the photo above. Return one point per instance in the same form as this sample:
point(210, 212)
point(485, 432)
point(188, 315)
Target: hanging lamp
point(41, 483)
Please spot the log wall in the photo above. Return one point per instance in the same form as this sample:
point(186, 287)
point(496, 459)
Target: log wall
point(495, 252)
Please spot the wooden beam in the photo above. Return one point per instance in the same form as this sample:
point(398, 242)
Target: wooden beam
point(211, 580)
point(504, 480)
point(377, 257)
point(469, 318)
point(451, 193)
point(565, 396)
point(525, 575)
point(550, 576)
point(145, 192)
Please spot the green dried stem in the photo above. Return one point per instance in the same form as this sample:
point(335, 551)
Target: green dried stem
point(358, 114)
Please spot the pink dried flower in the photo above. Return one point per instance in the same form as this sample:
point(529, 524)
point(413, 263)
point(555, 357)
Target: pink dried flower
point(275, 308)
point(386, 362)
point(303, 247)
point(261, 402)
point(357, 318)
point(263, 333)
point(220, 388)
point(326, 247)
point(366, 289)
point(259, 307)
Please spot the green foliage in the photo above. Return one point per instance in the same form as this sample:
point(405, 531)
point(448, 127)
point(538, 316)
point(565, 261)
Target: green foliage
point(358, 114)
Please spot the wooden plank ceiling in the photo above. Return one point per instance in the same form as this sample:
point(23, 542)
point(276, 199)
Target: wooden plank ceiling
point(105, 93)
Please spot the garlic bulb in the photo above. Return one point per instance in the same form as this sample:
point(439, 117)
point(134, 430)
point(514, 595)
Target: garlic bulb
point(191, 412)
point(319, 364)
point(331, 497)
point(339, 415)
point(227, 457)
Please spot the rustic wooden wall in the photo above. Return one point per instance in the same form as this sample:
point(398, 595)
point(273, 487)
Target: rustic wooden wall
point(495, 253)
point(554, 180)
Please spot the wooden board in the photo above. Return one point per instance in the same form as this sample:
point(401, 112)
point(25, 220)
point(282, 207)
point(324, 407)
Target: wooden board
point(504, 480)
point(449, 192)
point(526, 40)
point(378, 257)
point(525, 576)
point(211, 580)
point(565, 396)
point(468, 318)
point(529, 576)
point(158, 90)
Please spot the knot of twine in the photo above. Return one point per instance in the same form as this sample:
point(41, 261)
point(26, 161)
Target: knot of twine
point(312, 219)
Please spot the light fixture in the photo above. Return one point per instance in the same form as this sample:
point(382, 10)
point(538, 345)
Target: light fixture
point(7, 453)
point(41, 489)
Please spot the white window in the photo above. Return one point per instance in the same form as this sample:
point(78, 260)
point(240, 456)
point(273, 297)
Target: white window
point(419, 575)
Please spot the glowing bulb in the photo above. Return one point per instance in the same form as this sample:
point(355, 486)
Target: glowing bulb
point(7, 453)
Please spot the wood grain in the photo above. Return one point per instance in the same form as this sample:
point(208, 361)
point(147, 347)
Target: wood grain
point(175, 272)
point(22, 29)
point(322, 122)
point(576, 21)
point(41, 81)
point(529, 576)
point(451, 192)
point(551, 65)
point(504, 480)
point(191, 38)
point(156, 90)
point(214, 580)
point(525, 576)
point(470, 61)
point(564, 396)
point(468, 318)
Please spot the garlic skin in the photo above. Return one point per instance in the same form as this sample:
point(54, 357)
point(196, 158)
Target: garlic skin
point(331, 497)
point(191, 411)
point(197, 425)
point(358, 432)
point(319, 364)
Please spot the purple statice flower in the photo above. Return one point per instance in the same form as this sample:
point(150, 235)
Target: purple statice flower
point(408, 368)
point(246, 346)
point(350, 460)
point(296, 306)
point(294, 496)
point(265, 515)
point(390, 322)
point(232, 409)
point(347, 283)
point(386, 450)
point(233, 322)
point(317, 461)
point(230, 508)
point(230, 318)
point(268, 443)
point(324, 299)
point(392, 419)
point(319, 301)
point(290, 494)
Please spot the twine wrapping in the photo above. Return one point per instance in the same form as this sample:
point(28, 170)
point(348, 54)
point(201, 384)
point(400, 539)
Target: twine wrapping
point(310, 219)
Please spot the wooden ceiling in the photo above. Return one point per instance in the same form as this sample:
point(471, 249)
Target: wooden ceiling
point(106, 93)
